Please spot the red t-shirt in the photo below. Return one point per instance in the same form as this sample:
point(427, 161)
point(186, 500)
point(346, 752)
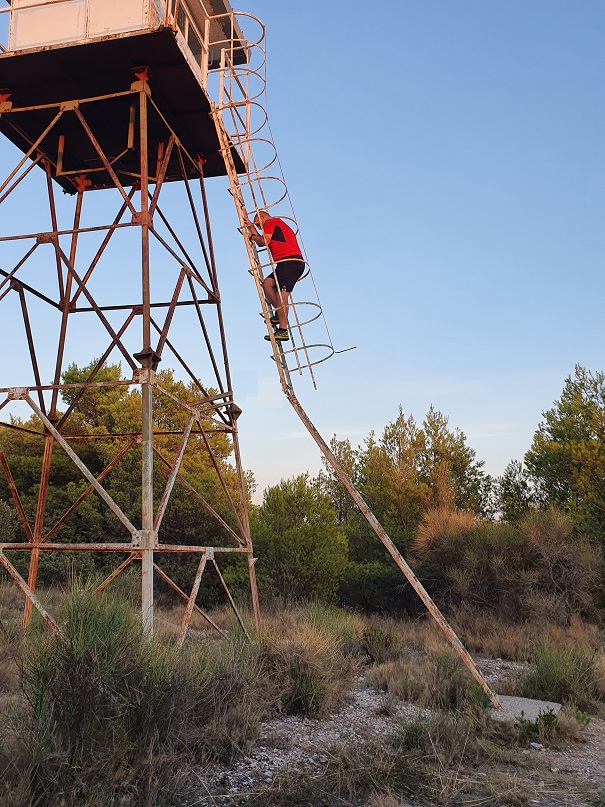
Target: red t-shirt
point(283, 243)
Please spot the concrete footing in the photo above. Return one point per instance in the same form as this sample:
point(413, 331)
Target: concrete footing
point(528, 708)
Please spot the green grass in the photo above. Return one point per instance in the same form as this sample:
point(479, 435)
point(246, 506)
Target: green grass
point(568, 675)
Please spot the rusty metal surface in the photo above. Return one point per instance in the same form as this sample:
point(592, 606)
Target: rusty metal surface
point(102, 70)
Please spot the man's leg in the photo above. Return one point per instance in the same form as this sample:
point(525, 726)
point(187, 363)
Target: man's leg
point(278, 299)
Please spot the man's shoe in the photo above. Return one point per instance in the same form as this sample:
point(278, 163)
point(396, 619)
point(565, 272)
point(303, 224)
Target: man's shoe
point(280, 335)
point(274, 319)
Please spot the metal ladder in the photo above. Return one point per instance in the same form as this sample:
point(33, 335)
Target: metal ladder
point(245, 135)
point(235, 128)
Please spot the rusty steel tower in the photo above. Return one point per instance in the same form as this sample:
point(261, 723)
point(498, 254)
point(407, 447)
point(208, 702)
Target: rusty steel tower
point(139, 99)
point(105, 241)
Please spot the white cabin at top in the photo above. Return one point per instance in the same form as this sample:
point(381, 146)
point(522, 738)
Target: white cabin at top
point(36, 24)
point(61, 51)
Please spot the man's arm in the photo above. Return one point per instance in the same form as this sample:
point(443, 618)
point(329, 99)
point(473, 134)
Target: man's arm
point(255, 236)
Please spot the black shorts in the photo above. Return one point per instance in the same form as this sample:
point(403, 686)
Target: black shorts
point(288, 272)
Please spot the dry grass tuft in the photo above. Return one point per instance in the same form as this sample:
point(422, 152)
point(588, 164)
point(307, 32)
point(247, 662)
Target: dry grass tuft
point(308, 666)
point(506, 789)
point(569, 728)
point(564, 674)
point(433, 680)
point(442, 522)
point(487, 635)
point(387, 799)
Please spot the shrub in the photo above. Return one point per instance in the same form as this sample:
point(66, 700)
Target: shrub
point(465, 561)
point(101, 708)
point(568, 567)
point(567, 675)
point(302, 549)
point(544, 727)
point(375, 586)
point(536, 568)
point(108, 718)
point(231, 693)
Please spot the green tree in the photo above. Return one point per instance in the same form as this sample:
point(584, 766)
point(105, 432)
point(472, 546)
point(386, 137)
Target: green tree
point(409, 470)
point(567, 455)
point(105, 412)
point(99, 407)
point(348, 459)
point(516, 493)
point(302, 551)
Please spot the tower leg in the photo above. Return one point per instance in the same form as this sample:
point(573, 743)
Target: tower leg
point(147, 532)
point(146, 359)
point(254, 591)
point(39, 523)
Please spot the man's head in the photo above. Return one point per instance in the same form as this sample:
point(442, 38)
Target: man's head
point(260, 217)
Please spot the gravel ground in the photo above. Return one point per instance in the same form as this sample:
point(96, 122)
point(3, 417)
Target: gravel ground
point(571, 777)
point(294, 743)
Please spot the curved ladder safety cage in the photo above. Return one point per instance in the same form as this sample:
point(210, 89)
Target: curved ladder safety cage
point(242, 124)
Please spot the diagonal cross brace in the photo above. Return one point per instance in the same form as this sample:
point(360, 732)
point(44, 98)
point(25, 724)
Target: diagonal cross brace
point(91, 478)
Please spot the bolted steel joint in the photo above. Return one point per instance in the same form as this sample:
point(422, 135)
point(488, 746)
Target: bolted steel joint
point(18, 393)
point(143, 375)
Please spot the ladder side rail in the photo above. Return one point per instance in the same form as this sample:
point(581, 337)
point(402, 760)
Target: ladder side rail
point(254, 260)
point(239, 107)
point(393, 551)
point(236, 189)
point(239, 132)
point(253, 174)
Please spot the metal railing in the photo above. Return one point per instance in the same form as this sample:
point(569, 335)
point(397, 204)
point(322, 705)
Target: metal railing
point(4, 26)
point(192, 40)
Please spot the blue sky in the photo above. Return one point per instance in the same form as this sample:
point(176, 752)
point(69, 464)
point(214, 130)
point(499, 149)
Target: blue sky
point(445, 159)
point(446, 164)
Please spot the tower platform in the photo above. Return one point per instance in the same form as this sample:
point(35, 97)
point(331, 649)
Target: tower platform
point(40, 80)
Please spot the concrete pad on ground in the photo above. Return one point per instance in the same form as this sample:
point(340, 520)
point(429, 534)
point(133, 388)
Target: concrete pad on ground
point(512, 708)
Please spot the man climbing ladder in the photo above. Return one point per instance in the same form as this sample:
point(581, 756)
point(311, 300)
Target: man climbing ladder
point(287, 255)
point(275, 289)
